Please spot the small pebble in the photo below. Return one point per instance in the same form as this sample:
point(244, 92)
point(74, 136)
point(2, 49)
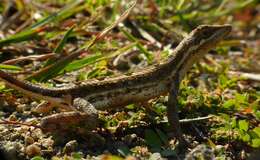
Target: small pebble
point(12, 117)
point(15, 136)
point(219, 148)
point(20, 108)
point(36, 134)
point(33, 150)
point(70, 146)
point(34, 104)
point(47, 142)
point(10, 149)
point(28, 140)
point(48, 151)
point(156, 156)
point(133, 139)
point(23, 129)
point(130, 158)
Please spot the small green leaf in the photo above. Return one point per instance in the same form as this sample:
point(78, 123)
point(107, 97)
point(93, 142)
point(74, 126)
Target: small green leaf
point(252, 134)
point(77, 155)
point(241, 99)
point(180, 4)
point(233, 123)
point(130, 106)
point(123, 150)
point(243, 125)
point(257, 131)
point(168, 152)
point(257, 115)
point(37, 158)
point(225, 116)
point(256, 143)
point(223, 80)
point(229, 103)
point(152, 139)
point(246, 138)
point(162, 136)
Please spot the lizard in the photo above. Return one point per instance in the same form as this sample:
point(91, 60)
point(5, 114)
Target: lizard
point(161, 78)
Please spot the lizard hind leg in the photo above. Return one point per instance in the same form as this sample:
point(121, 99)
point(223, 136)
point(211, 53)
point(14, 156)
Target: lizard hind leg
point(64, 104)
point(43, 107)
point(85, 116)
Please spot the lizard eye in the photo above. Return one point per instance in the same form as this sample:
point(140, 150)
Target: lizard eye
point(207, 34)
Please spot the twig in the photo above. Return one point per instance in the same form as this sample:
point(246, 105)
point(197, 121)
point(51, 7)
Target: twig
point(196, 119)
point(10, 20)
point(247, 38)
point(7, 122)
point(249, 76)
point(32, 58)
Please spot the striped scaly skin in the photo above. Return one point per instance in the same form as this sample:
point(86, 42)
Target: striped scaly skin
point(140, 86)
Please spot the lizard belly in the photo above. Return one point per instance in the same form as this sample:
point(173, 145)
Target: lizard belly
point(124, 96)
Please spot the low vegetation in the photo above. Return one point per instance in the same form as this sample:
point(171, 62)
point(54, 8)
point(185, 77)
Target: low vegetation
point(223, 88)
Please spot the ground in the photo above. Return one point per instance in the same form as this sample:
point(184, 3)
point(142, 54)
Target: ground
point(223, 88)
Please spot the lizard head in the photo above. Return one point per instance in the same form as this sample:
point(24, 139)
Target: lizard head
point(197, 44)
point(205, 37)
point(200, 41)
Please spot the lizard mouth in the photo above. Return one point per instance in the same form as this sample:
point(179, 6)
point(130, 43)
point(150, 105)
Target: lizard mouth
point(209, 36)
point(219, 32)
point(222, 31)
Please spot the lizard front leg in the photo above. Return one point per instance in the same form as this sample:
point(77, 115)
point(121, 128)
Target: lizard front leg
point(172, 111)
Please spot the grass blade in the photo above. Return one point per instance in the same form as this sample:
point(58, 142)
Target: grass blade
point(33, 30)
point(56, 16)
point(54, 69)
point(60, 46)
point(22, 36)
point(10, 67)
point(147, 54)
point(78, 64)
